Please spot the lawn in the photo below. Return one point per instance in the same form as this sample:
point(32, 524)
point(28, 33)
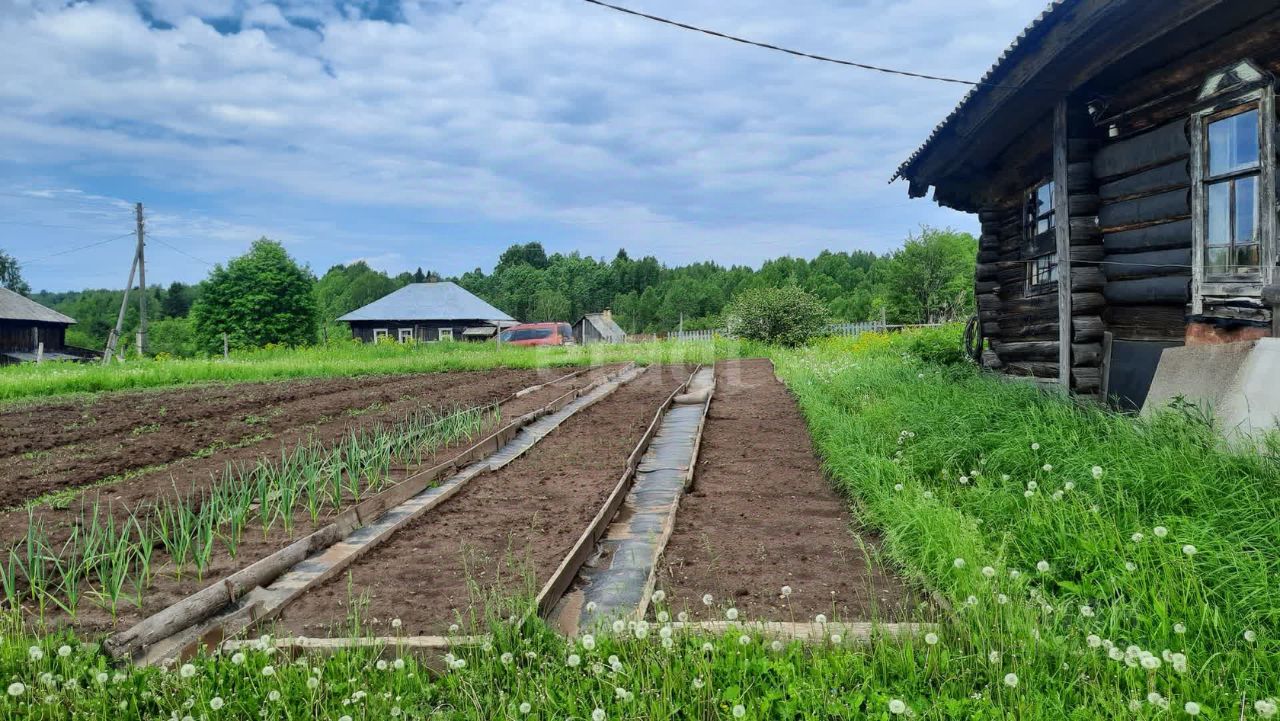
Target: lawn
point(1091, 565)
point(339, 359)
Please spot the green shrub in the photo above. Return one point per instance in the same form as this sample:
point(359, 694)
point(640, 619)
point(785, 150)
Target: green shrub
point(787, 316)
point(942, 345)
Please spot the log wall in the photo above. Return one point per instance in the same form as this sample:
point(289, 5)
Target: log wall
point(1144, 216)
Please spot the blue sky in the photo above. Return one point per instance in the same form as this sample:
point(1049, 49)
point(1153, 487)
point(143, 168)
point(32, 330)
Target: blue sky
point(435, 133)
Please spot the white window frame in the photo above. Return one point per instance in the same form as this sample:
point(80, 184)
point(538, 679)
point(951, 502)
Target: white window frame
point(444, 334)
point(404, 334)
point(1244, 286)
point(380, 333)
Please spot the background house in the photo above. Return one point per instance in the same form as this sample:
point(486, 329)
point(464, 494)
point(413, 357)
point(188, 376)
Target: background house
point(25, 324)
point(598, 328)
point(427, 312)
point(1121, 159)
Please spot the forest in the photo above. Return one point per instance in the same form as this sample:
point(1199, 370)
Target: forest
point(927, 279)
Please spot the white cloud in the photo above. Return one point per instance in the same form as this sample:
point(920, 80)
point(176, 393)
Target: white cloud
point(499, 111)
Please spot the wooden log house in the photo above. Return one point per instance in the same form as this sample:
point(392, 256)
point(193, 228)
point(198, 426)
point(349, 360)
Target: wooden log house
point(1121, 159)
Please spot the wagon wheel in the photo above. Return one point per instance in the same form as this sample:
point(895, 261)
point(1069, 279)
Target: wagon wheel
point(973, 339)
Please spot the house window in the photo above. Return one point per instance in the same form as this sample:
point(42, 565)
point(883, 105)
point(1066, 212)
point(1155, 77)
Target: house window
point(405, 334)
point(445, 334)
point(1041, 241)
point(1234, 164)
point(1040, 211)
point(379, 334)
point(1042, 270)
point(1233, 181)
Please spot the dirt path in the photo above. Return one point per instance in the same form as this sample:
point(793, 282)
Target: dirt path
point(762, 515)
point(523, 518)
point(165, 589)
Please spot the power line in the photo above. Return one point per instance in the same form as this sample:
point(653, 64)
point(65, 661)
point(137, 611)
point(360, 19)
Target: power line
point(77, 248)
point(778, 48)
point(176, 249)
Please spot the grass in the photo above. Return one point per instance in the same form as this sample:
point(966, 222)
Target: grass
point(339, 359)
point(1020, 507)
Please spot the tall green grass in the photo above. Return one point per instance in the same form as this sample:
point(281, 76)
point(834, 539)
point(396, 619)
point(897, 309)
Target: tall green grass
point(342, 359)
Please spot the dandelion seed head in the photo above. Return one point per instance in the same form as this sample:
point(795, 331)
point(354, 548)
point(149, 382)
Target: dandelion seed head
point(707, 647)
point(993, 657)
point(820, 618)
point(216, 703)
point(1047, 467)
point(931, 638)
point(1097, 472)
point(958, 563)
point(598, 715)
point(526, 707)
point(187, 670)
point(35, 653)
point(659, 596)
point(898, 487)
point(698, 682)
point(927, 494)
point(64, 650)
point(268, 671)
point(1035, 446)
point(1160, 531)
point(396, 623)
point(1179, 628)
point(1042, 566)
point(1093, 641)
point(897, 707)
point(988, 571)
point(237, 658)
point(591, 606)
point(786, 591)
point(836, 638)
point(1136, 538)
point(16, 689)
point(1011, 680)
point(731, 614)
point(739, 711)
point(1069, 486)
point(1189, 549)
point(1250, 636)
point(744, 639)
point(708, 599)
point(1266, 708)
point(1192, 708)
point(776, 645)
point(506, 658)
point(1086, 611)
point(274, 695)
point(1130, 566)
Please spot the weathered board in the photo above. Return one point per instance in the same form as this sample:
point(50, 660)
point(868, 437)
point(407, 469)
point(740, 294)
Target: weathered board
point(1141, 152)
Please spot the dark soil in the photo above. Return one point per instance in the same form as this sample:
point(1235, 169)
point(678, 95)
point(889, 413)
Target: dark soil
point(165, 589)
point(505, 532)
point(132, 431)
point(761, 516)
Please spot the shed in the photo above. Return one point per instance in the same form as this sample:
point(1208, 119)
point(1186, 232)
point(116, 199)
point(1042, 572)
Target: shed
point(598, 328)
point(25, 325)
point(1121, 160)
point(427, 312)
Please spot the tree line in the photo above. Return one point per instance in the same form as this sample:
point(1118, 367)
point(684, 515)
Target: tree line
point(266, 296)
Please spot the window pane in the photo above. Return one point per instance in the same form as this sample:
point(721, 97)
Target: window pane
point(1233, 143)
point(1246, 209)
point(1246, 258)
point(1215, 260)
point(1044, 198)
point(1219, 226)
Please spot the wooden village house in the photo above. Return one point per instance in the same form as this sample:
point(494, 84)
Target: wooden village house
point(427, 312)
point(1121, 158)
point(29, 331)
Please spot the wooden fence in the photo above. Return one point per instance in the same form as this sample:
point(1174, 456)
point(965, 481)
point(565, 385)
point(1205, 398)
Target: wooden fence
point(843, 329)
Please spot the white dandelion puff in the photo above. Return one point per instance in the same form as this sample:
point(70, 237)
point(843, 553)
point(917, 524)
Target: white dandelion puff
point(897, 707)
point(708, 599)
point(1160, 531)
point(958, 563)
point(988, 571)
point(731, 614)
point(931, 638)
point(1042, 566)
point(216, 703)
point(16, 689)
point(1011, 680)
point(820, 618)
point(1189, 549)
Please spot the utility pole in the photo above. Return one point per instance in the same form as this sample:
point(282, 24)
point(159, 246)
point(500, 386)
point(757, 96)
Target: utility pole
point(142, 283)
point(114, 338)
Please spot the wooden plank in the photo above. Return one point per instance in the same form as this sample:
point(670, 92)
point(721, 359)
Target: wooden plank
point(1156, 180)
point(1161, 290)
point(1169, 205)
point(1161, 236)
point(564, 574)
point(1146, 322)
point(1141, 152)
point(1086, 328)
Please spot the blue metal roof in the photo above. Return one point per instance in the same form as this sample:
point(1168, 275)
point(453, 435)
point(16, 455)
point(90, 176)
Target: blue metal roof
point(428, 301)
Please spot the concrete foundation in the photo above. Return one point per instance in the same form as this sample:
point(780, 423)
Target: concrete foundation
point(1239, 383)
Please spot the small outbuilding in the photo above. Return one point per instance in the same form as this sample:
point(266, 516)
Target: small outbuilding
point(29, 331)
point(427, 312)
point(598, 328)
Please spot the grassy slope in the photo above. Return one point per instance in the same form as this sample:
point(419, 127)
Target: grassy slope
point(338, 359)
point(859, 397)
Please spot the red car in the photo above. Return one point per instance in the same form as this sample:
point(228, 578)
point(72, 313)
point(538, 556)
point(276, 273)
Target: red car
point(538, 334)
